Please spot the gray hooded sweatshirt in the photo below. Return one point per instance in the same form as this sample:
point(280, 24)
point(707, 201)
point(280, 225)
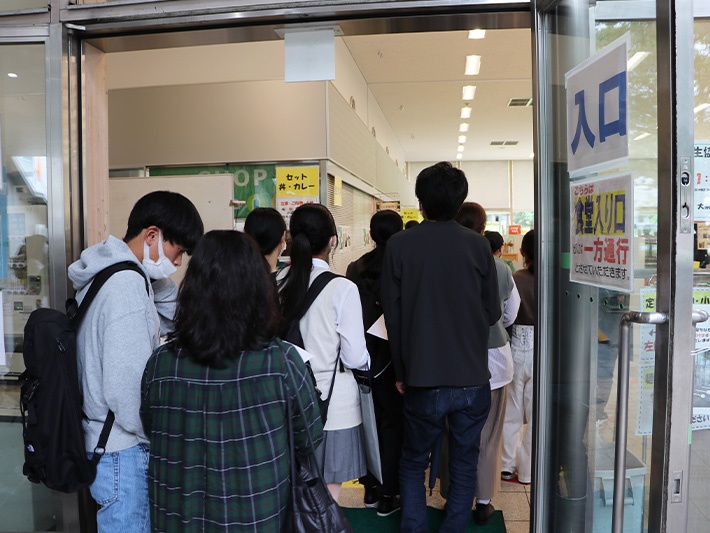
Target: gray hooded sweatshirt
point(116, 338)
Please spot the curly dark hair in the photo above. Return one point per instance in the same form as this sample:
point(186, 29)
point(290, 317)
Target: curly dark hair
point(227, 301)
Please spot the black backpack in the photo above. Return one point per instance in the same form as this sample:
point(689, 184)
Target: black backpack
point(292, 334)
point(51, 399)
point(379, 349)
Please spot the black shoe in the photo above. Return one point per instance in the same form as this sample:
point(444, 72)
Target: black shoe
point(388, 505)
point(482, 513)
point(372, 496)
point(506, 475)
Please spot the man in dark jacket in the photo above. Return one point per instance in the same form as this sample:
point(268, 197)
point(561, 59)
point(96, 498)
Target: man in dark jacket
point(440, 297)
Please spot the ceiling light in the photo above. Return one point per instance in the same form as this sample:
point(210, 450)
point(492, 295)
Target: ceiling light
point(642, 136)
point(473, 65)
point(462, 139)
point(532, 155)
point(701, 107)
point(459, 156)
point(463, 127)
point(11, 75)
point(635, 60)
point(469, 91)
point(477, 34)
point(465, 112)
point(460, 148)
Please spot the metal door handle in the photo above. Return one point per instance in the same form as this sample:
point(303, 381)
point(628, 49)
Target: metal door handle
point(622, 404)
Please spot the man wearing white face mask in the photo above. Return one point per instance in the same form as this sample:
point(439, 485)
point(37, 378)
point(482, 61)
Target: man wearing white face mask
point(117, 336)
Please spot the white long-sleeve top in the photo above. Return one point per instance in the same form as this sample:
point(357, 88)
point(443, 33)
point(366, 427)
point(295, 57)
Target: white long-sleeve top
point(500, 360)
point(332, 325)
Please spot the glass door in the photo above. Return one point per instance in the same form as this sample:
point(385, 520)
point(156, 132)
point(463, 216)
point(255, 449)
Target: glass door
point(615, 235)
point(24, 269)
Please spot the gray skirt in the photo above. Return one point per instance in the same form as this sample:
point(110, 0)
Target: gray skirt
point(341, 455)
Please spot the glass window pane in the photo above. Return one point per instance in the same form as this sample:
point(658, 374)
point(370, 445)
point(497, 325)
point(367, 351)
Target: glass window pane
point(23, 269)
point(699, 508)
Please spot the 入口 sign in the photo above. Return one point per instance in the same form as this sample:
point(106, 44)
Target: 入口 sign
point(596, 109)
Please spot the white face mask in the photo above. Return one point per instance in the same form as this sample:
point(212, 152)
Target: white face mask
point(162, 268)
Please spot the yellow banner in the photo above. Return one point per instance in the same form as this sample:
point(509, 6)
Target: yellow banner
point(297, 181)
point(410, 214)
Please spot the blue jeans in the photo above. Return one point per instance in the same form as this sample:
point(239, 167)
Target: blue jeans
point(121, 489)
point(425, 411)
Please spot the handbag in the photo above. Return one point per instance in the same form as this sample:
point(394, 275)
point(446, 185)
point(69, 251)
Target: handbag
point(369, 427)
point(312, 508)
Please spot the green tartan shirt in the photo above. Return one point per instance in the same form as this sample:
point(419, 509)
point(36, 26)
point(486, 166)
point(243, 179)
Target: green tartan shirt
point(219, 447)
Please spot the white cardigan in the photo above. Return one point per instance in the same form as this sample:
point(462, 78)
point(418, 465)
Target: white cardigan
point(334, 323)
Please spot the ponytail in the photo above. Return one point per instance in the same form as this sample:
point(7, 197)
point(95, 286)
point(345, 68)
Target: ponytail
point(311, 226)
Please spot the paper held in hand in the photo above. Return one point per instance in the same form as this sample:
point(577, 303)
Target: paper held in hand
point(378, 329)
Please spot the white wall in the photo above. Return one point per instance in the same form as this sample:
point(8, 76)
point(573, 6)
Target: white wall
point(349, 82)
point(496, 185)
point(217, 123)
point(488, 183)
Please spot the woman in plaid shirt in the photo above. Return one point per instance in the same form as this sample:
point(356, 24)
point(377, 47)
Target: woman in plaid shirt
point(214, 399)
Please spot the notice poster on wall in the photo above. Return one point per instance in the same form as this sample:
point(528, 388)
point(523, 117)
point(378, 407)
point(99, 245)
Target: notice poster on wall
point(701, 163)
point(410, 213)
point(602, 232)
point(296, 185)
point(647, 359)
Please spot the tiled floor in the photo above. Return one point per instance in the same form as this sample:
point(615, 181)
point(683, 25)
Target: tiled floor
point(513, 500)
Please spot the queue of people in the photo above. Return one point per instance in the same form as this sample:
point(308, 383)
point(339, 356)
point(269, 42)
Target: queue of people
point(201, 438)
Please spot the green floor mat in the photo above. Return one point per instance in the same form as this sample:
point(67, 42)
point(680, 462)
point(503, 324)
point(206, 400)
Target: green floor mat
point(367, 521)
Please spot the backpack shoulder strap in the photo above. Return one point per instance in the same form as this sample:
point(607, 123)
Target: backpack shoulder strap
point(98, 282)
point(315, 289)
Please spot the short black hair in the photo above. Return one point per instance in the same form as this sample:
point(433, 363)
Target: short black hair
point(384, 224)
point(495, 239)
point(527, 248)
point(174, 214)
point(441, 189)
point(266, 226)
point(472, 216)
point(227, 300)
point(411, 224)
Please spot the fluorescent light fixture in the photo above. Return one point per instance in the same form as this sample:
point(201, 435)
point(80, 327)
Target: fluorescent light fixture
point(477, 34)
point(469, 91)
point(462, 139)
point(11, 75)
point(701, 107)
point(460, 148)
point(463, 127)
point(459, 156)
point(635, 60)
point(473, 65)
point(642, 136)
point(465, 112)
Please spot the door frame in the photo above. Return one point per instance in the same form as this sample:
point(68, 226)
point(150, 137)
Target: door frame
point(670, 459)
point(95, 23)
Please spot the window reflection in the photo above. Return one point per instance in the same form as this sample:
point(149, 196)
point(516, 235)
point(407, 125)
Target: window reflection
point(23, 266)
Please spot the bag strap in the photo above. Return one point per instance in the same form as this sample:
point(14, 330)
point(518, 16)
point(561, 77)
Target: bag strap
point(100, 448)
point(314, 290)
point(76, 315)
point(289, 414)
